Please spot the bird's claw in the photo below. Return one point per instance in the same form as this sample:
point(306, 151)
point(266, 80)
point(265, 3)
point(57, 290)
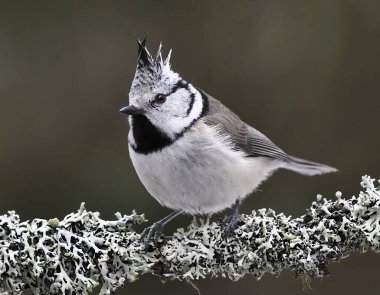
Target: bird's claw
point(230, 223)
point(152, 234)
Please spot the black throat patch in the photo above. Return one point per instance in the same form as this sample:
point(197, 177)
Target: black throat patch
point(147, 137)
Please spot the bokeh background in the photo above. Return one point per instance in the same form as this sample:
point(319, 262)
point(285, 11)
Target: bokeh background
point(306, 73)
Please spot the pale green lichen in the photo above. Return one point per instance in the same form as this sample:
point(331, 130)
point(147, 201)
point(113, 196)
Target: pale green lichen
point(75, 255)
point(54, 222)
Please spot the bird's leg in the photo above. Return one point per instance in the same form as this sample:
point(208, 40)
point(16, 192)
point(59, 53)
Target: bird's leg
point(153, 232)
point(230, 221)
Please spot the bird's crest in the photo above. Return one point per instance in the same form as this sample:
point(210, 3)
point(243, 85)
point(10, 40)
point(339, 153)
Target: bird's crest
point(147, 61)
point(151, 69)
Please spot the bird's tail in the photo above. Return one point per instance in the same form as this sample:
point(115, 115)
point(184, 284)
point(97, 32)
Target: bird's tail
point(307, 167)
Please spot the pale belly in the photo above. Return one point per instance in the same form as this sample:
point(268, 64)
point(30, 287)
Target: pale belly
point(200, 175)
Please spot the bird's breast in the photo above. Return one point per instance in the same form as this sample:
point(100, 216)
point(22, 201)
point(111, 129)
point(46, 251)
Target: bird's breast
point(198, 173)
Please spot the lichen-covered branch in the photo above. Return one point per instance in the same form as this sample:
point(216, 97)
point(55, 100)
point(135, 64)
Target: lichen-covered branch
point(74, 255)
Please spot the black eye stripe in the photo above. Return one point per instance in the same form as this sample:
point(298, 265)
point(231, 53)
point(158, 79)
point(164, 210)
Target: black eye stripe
point(180, 84)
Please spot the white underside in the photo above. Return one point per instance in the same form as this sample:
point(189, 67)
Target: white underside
point(200, 173)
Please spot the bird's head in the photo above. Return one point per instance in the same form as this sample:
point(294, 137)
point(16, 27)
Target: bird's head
point(159, 94)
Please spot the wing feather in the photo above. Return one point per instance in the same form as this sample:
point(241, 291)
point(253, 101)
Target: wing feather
point(244, 137)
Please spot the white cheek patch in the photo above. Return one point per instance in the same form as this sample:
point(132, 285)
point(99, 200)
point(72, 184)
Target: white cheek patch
point(179, 124)
point(182, 108)
point(178, 103)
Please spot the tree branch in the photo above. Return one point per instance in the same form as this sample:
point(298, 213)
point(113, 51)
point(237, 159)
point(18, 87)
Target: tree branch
point(76, 254)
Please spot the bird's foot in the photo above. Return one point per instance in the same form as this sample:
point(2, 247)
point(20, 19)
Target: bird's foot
point(153, 232)
point(230, 221)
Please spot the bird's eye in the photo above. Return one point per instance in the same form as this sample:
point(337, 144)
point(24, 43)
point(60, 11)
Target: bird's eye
point(160, 98)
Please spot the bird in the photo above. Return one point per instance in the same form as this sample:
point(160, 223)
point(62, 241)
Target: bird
point(192, 153)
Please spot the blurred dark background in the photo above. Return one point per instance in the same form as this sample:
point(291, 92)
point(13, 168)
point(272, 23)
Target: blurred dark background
point(306, 73)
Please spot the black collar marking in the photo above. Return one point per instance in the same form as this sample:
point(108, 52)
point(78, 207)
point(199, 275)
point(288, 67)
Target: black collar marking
point(149, 139)
point(192, 96)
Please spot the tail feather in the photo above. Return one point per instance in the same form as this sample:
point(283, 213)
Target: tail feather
point(307, 167)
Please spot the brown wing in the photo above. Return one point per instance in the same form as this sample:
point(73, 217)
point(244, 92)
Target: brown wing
point(245, 137)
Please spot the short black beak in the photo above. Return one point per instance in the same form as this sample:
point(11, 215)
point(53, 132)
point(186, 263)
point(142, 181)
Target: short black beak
point(132, 110)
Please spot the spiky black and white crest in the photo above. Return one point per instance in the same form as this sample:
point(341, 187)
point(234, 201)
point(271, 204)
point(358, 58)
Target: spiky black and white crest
point(153, 75)
point(150, 69)
point(145, 60)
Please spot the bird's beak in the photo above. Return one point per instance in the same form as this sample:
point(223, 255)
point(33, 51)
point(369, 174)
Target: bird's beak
point(132, 110)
